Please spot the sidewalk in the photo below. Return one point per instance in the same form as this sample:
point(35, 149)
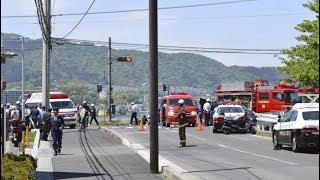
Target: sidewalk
point(91, 154)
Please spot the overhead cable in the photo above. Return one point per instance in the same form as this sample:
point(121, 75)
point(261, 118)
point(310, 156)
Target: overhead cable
point(136, 10)
point(79, 20)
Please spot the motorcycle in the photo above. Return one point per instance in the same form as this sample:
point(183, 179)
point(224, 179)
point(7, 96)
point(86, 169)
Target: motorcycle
point(16, 126)
point(233, 126)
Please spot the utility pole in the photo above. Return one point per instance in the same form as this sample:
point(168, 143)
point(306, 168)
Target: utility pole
point(46, 55)
point(22, 71)
point(109, 84)
point(153, 74)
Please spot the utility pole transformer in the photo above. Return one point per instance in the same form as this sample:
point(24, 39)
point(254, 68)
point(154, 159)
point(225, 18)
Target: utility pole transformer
point(46, 55)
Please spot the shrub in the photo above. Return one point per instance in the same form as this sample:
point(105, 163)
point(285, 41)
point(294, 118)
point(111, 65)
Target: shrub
point(17, 166)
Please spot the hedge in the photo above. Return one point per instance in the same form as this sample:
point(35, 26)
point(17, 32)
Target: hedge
point(17, 166)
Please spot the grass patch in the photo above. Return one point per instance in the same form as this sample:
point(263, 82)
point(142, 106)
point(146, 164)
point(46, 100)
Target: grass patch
point(113, 122)
point(264, 133)
point(32, 136)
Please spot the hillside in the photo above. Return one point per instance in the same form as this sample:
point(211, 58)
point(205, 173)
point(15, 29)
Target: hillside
point(88, 64)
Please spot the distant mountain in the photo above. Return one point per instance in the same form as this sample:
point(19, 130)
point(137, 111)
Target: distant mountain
point(87, 63)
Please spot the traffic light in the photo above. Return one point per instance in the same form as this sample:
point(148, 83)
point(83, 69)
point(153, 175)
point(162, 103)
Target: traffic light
point(124, 59)
point(99, 88)
point(3, 85)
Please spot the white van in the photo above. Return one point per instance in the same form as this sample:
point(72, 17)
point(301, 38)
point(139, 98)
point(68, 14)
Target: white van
point(67, 108)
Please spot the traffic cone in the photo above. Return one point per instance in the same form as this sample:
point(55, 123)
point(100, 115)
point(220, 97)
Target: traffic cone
point(200, 127)
point(141, 127)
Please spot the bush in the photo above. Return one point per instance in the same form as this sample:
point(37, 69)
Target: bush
point(17, 166)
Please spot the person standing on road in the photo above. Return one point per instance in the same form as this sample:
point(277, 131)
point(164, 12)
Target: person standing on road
point(206, 110)
point(56, 126)
point(134, 111)
point(93, 115)
point(34, 114)
point(87, 112)
point(181, 116)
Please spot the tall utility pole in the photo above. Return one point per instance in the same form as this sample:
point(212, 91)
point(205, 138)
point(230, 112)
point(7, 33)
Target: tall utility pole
point(109, 84)
point(46, 55)
point(22, 71)
point(153, 74)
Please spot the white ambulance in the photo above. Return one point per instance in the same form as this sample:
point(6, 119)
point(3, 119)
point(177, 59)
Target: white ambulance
point(67, 108)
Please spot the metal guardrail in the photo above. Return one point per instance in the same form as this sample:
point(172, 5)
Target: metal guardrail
point(265, 122)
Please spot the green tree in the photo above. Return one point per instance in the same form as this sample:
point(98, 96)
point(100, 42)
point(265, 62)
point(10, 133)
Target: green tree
point(302, 61)
point(79, 92)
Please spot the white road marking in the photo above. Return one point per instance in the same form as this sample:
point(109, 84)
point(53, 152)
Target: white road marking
point(195, 137)
point(266, 157)
point(129, 127)
point(114, 127)
point(262, 137)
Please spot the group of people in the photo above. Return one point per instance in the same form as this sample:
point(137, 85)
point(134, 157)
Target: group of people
point(205, 112)
point(84, 111)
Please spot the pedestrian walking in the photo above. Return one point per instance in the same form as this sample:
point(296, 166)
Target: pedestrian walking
point(181, 116)
point(134, 112)
point(34, 115)
point(206, 110)
point(56, 126)
point(93, 115)
point(44, 125)
point(82, 112)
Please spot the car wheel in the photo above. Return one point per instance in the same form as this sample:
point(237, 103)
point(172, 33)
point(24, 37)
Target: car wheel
point(294, 144)
point(72, 126)
point(163, 123)
point(276, 144)
point(252, 130)
point(214, 129)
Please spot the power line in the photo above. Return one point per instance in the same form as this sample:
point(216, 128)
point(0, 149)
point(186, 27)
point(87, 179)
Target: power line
point(173, 48)
point(179, 19)
point(136, 10)
point(80, 20)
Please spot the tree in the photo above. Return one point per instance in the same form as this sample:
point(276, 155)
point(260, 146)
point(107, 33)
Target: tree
point(302, 61)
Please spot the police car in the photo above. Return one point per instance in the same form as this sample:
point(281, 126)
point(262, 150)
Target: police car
point(299, 128)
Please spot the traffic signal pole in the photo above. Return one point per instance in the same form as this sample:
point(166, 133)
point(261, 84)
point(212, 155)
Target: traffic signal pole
point(153, 74)
point(109, 79)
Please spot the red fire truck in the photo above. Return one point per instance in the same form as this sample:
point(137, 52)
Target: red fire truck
point(259, 95)
point(169, 108)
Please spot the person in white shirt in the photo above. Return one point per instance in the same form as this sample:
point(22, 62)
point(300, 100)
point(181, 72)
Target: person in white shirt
point(134, 111)
point(206, 110)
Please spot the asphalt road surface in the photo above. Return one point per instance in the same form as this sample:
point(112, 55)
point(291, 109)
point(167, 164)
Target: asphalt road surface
point(233, 156)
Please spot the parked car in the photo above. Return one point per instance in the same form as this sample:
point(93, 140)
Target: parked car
point(235, 113)
point(299, 128)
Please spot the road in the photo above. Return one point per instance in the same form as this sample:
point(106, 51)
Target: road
point(220, 156)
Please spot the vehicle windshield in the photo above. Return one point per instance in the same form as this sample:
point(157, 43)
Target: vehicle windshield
point(310, 115)
point(187, 102)
point(231, 110)
point(62, 104)
point(291, 97)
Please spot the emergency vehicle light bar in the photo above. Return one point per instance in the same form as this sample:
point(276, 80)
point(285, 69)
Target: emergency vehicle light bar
point(179, 93)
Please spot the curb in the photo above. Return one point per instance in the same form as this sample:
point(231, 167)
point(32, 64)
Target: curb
point(169, 169)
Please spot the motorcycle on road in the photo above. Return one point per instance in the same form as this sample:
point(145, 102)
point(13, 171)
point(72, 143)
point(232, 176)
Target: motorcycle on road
point(233, 126)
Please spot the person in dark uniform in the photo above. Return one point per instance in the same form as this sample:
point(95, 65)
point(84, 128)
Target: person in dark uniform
point(44, 125)
point(181, 116)
point(56, 126)
point(93, 115)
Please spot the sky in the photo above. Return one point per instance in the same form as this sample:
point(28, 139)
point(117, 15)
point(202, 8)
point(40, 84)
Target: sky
point(236, 24)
